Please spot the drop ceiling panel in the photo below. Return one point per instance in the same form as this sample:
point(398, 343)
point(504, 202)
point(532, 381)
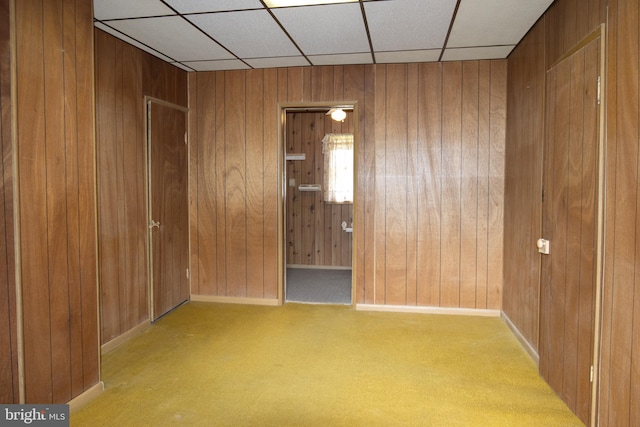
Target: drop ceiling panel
point(408, 56)
point(239, 34)
point(173, 36)
point(249, 34)
point(494, 22)
point(227, 64)
point(409, 24)
point(292, 61)
point(131, 41)
point(116, 9)
point(341, 59)
point(325, 29)
point(197, 6)
point(472, 53)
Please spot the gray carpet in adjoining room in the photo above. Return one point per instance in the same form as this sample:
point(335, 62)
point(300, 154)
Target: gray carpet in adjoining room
point(315, 285)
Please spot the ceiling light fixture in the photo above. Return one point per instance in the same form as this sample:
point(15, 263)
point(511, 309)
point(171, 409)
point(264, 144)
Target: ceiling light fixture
point(290, 3)
point(337, 114)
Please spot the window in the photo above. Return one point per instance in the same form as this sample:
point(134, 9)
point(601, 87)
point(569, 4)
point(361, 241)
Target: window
point(338, 167)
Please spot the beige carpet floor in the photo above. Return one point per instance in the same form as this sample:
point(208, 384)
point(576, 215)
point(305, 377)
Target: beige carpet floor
point(317, 365)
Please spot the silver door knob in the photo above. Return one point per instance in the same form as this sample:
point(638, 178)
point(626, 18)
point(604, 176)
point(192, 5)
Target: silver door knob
point(154, 224)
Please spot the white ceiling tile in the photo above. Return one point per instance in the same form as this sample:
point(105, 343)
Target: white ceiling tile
point(325, 29)
point(494, 22)
point(116, 9)
point(227, 64)
point(174, 36)
point(472, 53)
point(132, 42)
point(248, 34)
point(341, 59)
point(239, 34)
point(431, 55)
point(289, 61)
point(289, 3)
point(196, 6)
point(408, 24)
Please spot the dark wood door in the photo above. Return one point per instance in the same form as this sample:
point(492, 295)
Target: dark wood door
point(570, 223)
point(168, 193)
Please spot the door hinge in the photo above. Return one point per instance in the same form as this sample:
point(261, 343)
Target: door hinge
point(591, 375)
point(187, 274)
point(599, 90)
point(185, 138)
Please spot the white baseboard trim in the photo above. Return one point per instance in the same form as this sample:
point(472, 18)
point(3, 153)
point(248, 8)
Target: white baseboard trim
point(521, 339)
point(234, 300)
point(428, 310)
point(86, 397)
point(121, 339)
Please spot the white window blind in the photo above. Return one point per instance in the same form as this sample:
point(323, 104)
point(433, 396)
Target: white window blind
point(338, 167)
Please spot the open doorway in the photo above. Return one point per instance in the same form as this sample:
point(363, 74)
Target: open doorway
point(318, 203)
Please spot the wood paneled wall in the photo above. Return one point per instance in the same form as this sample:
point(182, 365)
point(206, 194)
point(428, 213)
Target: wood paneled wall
point(430, 179)
point(523, 183)
point(56, 184)
point(124, 76)
point(233, 139)
point(314, 230)
point(566, 23)
point(9, 391)
point(620, 373)
point(561, 28)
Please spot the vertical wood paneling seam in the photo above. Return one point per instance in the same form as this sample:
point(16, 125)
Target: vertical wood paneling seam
point(567, 228)
point(218, 177)
point(489, 178)
point(69, 249)
point(614, 187)
point(417, 180)
point(633, 292)
point(264, 199)
point(634, 310)
point(195, 110)
point(475, 304)
point(582, 203)
point(551, 136)
point(246, 180)
point(194, 171)
point(64, 167)
point(115, 172)
point(612, 57)
point(125, 226)
point(216, 197)
point(77, 139)
point(362, 221)
point(406, 186)
point(386, 173)
point(441, 78)
point(419, 176)
point(635, 257)
point(46, 219)
point(141, 172)
point(224, 185)
point(460, 183)
point(8, 225)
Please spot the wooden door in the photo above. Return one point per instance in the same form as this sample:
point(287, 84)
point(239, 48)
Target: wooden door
point(168, 207)
point(570, 223)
